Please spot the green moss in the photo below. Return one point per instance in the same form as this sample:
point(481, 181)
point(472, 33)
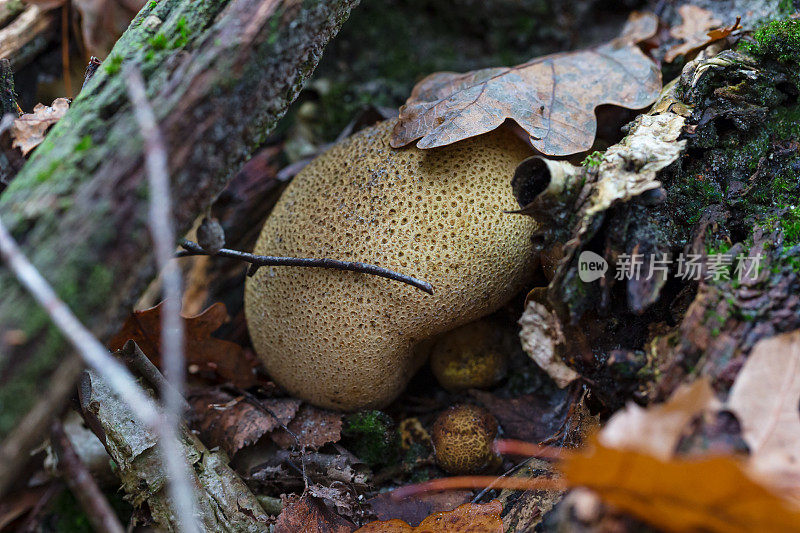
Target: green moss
point(691, 194)
point(44, 175)
point(84, 144)
point(372, 437)
point(790, 224)
point(594, 159)
point(182, 27)
point(778, 40)
point(159, 41)
point(113, 64)
point(717, 246)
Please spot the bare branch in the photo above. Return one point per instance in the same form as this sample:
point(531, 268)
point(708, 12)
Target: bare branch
point(192, 248)
point(83, 486)
point(172, 335)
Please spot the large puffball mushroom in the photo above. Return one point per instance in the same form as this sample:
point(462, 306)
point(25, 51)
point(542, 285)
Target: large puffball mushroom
point(348, 340)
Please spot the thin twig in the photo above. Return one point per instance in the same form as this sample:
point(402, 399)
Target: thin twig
point(478, 482)
point(91, 350)
point(172, 335)
point(29, 432)
point(256, 261)
point(83, 486)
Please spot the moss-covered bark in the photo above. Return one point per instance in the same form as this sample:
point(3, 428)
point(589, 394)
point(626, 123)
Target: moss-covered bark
point(219, 75)
point(733, 194)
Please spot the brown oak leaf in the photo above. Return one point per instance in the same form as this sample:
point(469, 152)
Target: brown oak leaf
point(472, 517)
point(311, 515)
point(552, 98)
point(225, 359)
point(29, 130)
point(698, 29)
point(657, 429)
point(415, 510)
point(313, 427)
point(765, 398)
point(233, 422)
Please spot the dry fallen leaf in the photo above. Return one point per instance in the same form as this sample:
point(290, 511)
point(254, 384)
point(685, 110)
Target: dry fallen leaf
point(314, 427)
point(713, 494)
point(531, 417)
point(415, 510)
point(657, 429)
point(467, 518)
point(698, 29)
point(311, 515)
point(541, 336)
point(233, 422)
point(30, 129)
point(552, 97)
point(766, 399)
point(224, 358)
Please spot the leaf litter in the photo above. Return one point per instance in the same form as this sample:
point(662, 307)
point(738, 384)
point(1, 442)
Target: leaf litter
point(29, 130)
point(225, 360)
point(552, 98)
point(636, 462)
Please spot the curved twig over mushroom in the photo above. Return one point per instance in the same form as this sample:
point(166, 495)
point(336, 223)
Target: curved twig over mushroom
point(257, 261)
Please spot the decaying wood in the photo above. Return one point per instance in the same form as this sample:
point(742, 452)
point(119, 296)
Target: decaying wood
point(226, 74)
point(9, 9)
point(26, 34)
point(645, 197)
point(224, 501)
point(80, 481)
point(8, 96)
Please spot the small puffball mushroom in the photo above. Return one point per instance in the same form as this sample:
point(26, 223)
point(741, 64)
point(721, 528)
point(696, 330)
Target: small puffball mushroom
point(472, 356)
point(347, 340)
point(462, 439)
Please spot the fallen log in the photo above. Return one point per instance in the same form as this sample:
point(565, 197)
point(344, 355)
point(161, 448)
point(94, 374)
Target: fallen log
point(219, 75)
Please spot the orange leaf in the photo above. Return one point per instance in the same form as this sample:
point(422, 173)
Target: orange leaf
point(552, 97)
point(467, 518)
point(697, 30)
point(713, 494)
point(226, 359)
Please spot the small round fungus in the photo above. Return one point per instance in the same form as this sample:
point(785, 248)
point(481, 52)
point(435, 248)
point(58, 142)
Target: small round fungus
point(348, 340)
point(462, 439)
point(469, 357)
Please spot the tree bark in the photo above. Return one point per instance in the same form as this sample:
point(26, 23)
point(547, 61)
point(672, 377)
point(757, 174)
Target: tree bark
point(219, 75)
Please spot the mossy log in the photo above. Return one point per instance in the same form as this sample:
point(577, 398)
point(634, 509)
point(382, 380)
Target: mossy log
point(219, 75)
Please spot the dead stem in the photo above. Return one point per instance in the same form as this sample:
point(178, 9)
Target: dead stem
point(83, 486)
point(478, 482)
point(180, 486)
point(256, 261)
